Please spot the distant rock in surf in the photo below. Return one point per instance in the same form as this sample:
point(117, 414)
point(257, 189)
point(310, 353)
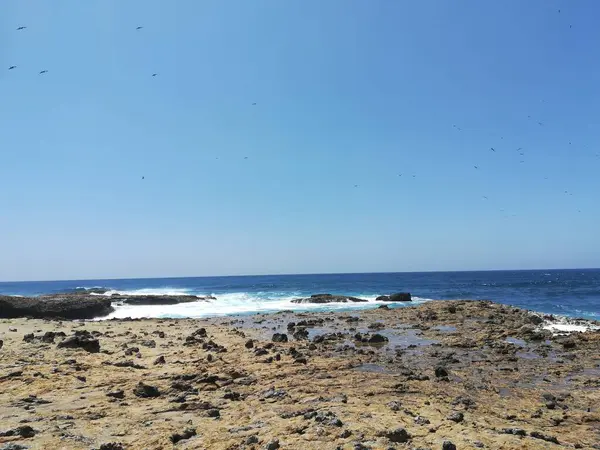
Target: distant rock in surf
point(157, 299)
point(329, 298)
point(398, 297)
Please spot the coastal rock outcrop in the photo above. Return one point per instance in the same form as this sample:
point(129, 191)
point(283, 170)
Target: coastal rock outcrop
point(158, 299)
point(64, 306)
point(329, 298)
point(397, 297)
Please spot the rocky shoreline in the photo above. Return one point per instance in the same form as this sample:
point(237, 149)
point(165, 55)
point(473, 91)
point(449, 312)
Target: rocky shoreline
point(440, 375)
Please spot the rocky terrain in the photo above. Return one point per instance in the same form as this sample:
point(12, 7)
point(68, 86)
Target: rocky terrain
point(441, 375)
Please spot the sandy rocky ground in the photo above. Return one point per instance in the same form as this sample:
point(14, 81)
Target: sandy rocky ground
point(442, 375)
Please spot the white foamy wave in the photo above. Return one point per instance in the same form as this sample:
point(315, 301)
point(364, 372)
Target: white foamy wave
point(559, 328)
point(237, 303)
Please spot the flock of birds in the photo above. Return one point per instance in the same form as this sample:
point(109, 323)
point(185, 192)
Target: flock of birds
point(476, 167)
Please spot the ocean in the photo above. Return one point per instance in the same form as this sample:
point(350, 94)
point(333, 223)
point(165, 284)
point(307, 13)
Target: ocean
point(574, 293)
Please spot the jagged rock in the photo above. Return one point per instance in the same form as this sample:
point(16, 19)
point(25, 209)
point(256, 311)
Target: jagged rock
point(399, 435)
point(280, 337)
point(397, 297)
point(515, 431)
point(272, 445)
point(160, 360)
point(543, 437)
point(112, 446)
point(146, 391)
point(119, 393)
point(82, 339)
point(186, 434)
point(24, 431)
point(456, 416)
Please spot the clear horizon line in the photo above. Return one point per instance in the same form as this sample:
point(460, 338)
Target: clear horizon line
point(297, 274)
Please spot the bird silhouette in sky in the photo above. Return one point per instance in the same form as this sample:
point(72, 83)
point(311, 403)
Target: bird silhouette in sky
point(139, 28)
point(540, 124)
point(476, 167)
point(485, 197)
point(245, 157)
point(356, 185)
point(253, 104)
point(43, 72)
point(493, 149)
point(21, 28)
point(12, 67)
point(154, 74)
point(399, 174)
point(143, 178)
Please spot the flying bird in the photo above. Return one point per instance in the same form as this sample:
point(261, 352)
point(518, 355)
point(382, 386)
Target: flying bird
point(399, 174)
point(485, 197)
point(12, 67)
point(493, 149)
point(540, 124)
point(154, 74)
point(253, 104)
point(245, 157)
point(143, 178)
point(139, 28)
point(21, 28)
point(43, 72)
point(476, 167)
point(356, 185)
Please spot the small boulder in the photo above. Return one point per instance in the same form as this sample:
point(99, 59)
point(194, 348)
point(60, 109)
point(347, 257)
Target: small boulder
point(280, 337)
point(117, 393)
point(399, 435)
point(83, 340)
point(272, 445)
point(448, 445)
point(146, 391)
point(456, 416)
point(186, 434)
point(160, 360)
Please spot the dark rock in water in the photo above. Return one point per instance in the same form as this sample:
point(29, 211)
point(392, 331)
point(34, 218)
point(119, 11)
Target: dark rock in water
point(272, 445)
point(543, 437)
point(448, 445)
point(456, 417)
point(160, 360)
point(146, 391)
point(383, 298)
point(329, 298)
point(280, 337)
point(66, 306)
point(398, 297)
point(157, 299)
point(370, 339)
point(24, 431)
point(384, 307)
point(82, 339)
point(399, 435)
point(186, 434)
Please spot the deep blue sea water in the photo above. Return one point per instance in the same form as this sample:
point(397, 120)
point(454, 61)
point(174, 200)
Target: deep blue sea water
point(567, 292)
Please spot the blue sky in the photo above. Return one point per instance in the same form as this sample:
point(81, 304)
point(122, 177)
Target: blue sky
point(348, 92)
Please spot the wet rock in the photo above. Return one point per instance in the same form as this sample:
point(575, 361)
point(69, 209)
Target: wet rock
point(279, 337)
point(383, 307)
point(146, 391)
point(376, 326)
point(456, 416)
point(329, 298)
point(370, 339)
point(448, 445)
point(186, 434)
point(82, 339)
point(272, 445)
point(400, 297)
point(399, 435)
point(159, 360)
point(301, 334)
point(118, 393)
point(544, 437)
point(24, 431)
